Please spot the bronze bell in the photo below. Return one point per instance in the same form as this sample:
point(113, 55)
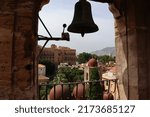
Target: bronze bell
point(82, 21)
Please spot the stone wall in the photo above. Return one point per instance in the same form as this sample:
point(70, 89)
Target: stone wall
point(132, 30)
point(139, 49)
point(18, 41)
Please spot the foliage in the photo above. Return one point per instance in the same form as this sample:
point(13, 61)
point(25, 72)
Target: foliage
point(105, 59)
point(44, 90)
point(95, 89)
point(67, 74)
point(50, 67)
point(83, 57)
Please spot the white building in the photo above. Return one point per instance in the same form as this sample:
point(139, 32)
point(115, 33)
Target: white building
point(41, 74)
point(41, 69)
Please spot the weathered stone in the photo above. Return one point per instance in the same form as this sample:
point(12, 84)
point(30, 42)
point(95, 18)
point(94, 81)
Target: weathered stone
point(18, 32)
point(133, 50)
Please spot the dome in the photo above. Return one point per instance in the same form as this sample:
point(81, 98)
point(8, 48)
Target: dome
point(79, 91)
point(92, 62)
point(58, 92)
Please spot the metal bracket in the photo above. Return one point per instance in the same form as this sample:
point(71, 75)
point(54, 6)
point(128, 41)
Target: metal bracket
point(64, 36)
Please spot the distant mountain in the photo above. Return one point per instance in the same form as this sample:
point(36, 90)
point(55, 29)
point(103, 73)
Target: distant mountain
point(105, 51)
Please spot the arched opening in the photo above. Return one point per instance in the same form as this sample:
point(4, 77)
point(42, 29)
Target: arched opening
point(18, 27)
point(132, 47)
point(56, 13)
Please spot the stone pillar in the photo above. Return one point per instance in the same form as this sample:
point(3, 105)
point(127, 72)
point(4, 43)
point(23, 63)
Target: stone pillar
point(138, 32)
point(18, 41)
point(132, 30)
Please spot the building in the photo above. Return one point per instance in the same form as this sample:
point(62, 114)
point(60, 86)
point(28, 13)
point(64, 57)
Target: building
point(92, 63)
point(42, 79)
point(59, 54)
point(111, 84)
point(41, 69)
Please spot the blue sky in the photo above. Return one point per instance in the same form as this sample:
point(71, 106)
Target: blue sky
point(58, 12)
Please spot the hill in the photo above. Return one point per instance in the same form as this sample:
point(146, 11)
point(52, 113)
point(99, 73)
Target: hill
point(105, 51)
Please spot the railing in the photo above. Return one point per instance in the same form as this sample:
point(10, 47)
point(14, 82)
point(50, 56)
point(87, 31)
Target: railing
point(79, 90)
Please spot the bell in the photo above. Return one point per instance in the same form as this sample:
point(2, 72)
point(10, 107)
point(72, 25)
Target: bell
point(82, 21)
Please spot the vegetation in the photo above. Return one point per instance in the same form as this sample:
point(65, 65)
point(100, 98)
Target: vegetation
point(95, 90)
point(63, 75)
point(84, 57)
point(105, 59)
point(44, 91)
point(67, 74)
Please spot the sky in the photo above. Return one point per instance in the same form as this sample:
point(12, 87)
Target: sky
point(58, 12)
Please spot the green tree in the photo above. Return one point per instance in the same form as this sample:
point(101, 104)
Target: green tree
point(95, 89)
point(83, 57)
point(67, 74)
point(94, 56)
point(106, 58)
